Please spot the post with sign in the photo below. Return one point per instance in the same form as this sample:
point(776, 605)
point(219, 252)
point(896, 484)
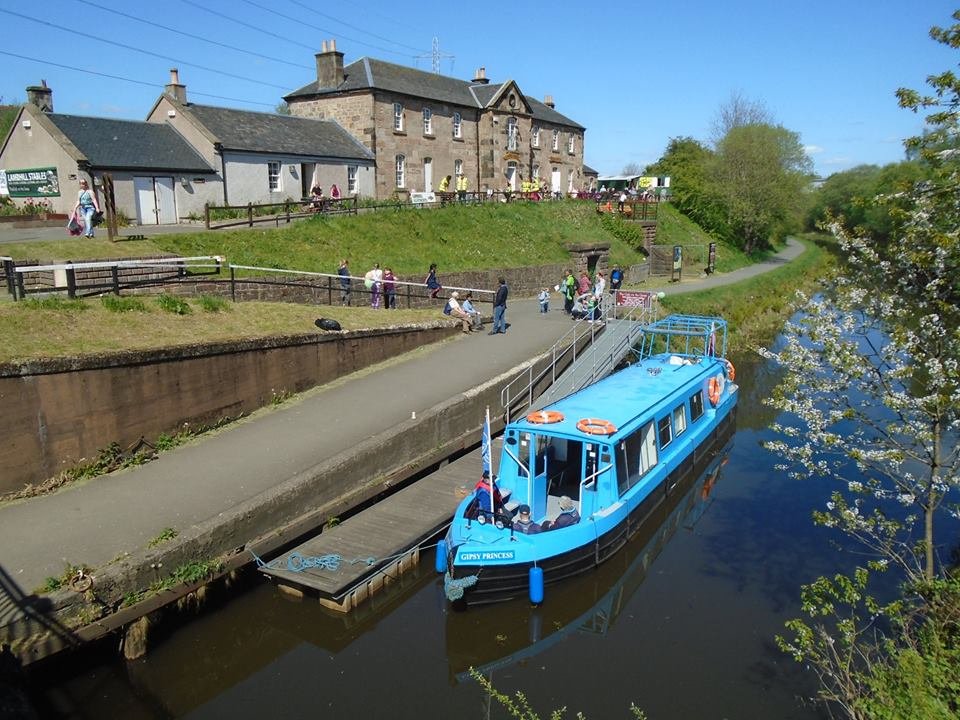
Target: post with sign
point(712, 258)
point(677, 272)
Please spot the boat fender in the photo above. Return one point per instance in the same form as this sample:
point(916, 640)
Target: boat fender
point(731, 371)
point(536, 585)
point(596, 426)
point(441, 561)
point(544, 417)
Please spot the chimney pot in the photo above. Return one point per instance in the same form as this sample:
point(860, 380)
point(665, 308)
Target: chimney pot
point(548, 101)
point(174, 88)
point(41, 96)
point(323, 46)
point(481, 76)
point(333, 45)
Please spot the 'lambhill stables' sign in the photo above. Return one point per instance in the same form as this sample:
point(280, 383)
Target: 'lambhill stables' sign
point(33, 182)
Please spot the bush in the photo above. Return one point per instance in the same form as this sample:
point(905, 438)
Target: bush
point(211, 303)
point(172, 304)
point(116, 304)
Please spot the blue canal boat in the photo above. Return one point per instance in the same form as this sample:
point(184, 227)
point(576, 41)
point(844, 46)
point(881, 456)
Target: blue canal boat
point(589, 468)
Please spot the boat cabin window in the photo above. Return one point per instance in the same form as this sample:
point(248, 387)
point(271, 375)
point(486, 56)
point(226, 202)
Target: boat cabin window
point(663, 430)
point(635, 456)
point(696, 406)
point(679, 420)
point(590, 463)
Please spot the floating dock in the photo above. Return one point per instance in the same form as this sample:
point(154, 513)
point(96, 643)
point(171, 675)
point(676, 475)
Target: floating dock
point(350, 562)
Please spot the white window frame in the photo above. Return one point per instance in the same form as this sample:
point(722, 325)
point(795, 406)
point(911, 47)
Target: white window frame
point(536, 172)
point(679, 420)
point(351, 179)
point(512, 133)
point(457, 168)
point(571, 146)
point(427, 121)
point(457, 125)
point(535, 136)
point(401, 168)
point(556, 140)
point(274, 176)
point(398, 117)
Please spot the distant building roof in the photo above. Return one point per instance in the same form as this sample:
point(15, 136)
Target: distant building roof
point(587, 170)
point(371, 74)
point(129, 144)
point(273, 133)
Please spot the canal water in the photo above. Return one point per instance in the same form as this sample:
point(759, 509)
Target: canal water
point(681, 624)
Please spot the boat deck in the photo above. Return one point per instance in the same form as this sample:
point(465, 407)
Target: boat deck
point(378, 544)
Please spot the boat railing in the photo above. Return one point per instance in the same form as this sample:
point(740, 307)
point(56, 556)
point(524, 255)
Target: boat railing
point(518, 394)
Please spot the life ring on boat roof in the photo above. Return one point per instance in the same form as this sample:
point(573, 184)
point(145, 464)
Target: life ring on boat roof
point(715, 389)
point(596, 426)
point(731, 371)
point(545, 417)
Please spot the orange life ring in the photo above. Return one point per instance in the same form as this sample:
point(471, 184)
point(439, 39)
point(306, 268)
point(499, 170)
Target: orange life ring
point(596, 426)
point(731, 371)
point(542, 417)
point(714, 388)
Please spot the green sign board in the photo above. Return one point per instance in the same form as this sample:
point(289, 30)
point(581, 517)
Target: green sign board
point(33, 182)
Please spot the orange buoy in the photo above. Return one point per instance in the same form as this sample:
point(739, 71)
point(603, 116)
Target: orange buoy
point(596, 426)
point(731, 371)
point(543, 417)
point(714, 388)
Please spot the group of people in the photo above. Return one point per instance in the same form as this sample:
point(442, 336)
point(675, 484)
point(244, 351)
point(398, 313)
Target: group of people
point(583, 297)
point(448, 184)
point(381, 283)
point(470, 318)
point(488, 500)
point(318, 200)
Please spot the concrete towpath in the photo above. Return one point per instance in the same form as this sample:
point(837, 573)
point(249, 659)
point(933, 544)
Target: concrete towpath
point(96, 521)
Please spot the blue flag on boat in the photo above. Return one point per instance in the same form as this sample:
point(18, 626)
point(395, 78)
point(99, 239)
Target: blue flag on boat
point(485, 444)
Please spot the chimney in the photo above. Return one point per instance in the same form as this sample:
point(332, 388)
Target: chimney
point(329, 65)
point(481, 76)
point(174, 89)
point(41, 96)
point(548, 101)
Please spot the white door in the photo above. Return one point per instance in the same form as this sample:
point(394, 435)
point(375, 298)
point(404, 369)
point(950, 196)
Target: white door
point(512, 175)
point(555, 181)
point(428, 175)
point(156, 200)
point(146, 201)
point(166, 201)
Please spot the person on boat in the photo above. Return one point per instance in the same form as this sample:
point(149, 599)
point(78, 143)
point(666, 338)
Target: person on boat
point(524, 523)
point(568, 516)
point(481, 498)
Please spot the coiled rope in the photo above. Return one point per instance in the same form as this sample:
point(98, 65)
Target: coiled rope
point(295, 562)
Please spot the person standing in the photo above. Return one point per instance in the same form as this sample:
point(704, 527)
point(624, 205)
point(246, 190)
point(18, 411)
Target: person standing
point(616, 278)
point(432, 282)
point(569, 287)
point(374, 282)
point(500, 309)
point(585, 285)
point(86, 205)
point(462, 188)
point(389, 289)
point(345, 289)
point(544, 298)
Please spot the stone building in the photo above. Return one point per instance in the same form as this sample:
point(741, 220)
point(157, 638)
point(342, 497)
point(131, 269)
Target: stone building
point(422, 126)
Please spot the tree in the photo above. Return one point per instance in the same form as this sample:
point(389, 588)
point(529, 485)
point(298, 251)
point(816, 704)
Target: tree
point(631, 169)
point(738, 111)
point(873, 387)
point(761, 173)
point(282, 108)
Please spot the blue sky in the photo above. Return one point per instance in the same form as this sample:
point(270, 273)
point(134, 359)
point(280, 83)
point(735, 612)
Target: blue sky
point(634, 74)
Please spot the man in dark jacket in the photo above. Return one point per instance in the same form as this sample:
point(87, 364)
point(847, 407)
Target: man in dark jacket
point(500, 309)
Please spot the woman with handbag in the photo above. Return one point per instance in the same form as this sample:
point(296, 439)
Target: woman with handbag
point(86, 205)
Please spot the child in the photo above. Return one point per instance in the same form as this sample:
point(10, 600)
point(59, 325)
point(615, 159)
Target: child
point(544, 298)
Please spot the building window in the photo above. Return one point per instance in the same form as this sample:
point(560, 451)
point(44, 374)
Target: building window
point(398, 117)
point(536, 172)
point(427, 121)
point(273, 176)
point(570, 144)
point(556, 139)
point(535, 136)
point(512, 133)
point(401, 171)
point(457, 168)
point(351, 179)
point(457, 125)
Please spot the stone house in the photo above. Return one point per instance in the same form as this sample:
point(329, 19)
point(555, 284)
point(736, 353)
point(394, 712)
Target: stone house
point(422, 126)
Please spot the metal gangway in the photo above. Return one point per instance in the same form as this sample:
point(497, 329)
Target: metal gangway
point(612, 338)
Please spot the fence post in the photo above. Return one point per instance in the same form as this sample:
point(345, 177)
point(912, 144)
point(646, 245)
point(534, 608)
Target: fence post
point(115, 273)
point(286, 208)
point(20, 287)
point(250, 213)
point(233, 284)
point(71, 281)
point(8, 273)
point(206, 214)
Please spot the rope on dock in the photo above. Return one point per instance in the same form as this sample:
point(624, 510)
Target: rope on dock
point(295, 562)
point(454, 588)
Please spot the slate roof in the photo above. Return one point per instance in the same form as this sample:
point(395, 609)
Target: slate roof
point(278, 134)
point(129, 144)
point(371, 74)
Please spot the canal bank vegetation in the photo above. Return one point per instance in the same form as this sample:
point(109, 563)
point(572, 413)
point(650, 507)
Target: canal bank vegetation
point(871, 403)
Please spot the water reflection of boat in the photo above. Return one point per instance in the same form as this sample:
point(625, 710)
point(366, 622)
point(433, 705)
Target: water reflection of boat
point(589, 468)
point(590, 603)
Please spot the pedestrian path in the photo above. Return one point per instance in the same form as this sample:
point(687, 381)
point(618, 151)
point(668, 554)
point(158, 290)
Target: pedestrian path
point(99, 520)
